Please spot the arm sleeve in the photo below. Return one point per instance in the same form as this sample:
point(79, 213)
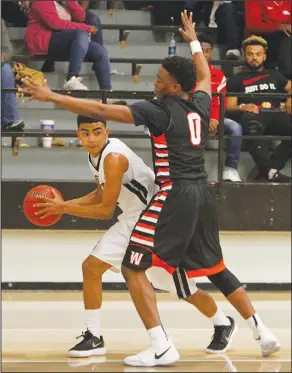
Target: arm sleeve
point(77, 12)
point(151, 114)
point(47, 12)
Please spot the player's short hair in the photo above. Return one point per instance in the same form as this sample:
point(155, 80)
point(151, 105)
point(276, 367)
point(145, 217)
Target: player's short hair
point(82, 119)
point(182, 69)
point(255, 40)
point(204, 38)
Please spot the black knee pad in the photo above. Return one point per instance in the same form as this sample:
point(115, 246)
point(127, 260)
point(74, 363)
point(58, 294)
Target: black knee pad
point(225, 281)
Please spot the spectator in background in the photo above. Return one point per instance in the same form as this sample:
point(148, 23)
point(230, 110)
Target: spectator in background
point(10, 118)
point(90, 19)
point(230, 20)
point(260, 116)
point(15, 12)
point(272, 20)
point(231, 127)
point(61, 34)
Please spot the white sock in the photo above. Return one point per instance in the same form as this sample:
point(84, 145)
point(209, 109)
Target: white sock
point(220, 319)
point(254, 322)
point(93, 321)
point(157, 336)
point(271, 173)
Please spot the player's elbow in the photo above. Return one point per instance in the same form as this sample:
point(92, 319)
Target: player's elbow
point(108, 212)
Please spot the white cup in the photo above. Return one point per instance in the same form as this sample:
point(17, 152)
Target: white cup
point(47, 142)
point(47, 124)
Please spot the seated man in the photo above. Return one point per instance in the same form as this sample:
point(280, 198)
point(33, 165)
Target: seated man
point(260, 116)
point(10, 118)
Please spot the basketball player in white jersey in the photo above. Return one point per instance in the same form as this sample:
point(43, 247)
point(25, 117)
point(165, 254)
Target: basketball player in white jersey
point(124, 179)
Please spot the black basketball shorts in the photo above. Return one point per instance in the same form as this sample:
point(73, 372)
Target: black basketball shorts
point(178, 228)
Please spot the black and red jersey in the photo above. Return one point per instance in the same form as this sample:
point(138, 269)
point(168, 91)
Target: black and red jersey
point(179, 131)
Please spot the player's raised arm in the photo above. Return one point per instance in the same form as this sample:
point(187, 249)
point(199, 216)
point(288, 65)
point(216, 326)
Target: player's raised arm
point(89, 108)
point(203, 71)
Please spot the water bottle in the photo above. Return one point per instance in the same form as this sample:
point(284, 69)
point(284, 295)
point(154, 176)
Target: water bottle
point(172, 47)
point(172, 43)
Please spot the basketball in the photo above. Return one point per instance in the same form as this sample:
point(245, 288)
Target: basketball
point(32, 197)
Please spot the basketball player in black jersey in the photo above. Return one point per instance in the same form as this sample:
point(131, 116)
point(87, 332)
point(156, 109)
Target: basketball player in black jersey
point(178, 231)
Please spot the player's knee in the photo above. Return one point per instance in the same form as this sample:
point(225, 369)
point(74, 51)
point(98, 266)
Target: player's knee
point(92, 267)
point(225, 281)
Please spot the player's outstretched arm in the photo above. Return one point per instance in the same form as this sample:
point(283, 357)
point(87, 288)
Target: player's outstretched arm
point(89, 108)
point(93, 197)
point(203, 72)
point(115, 165)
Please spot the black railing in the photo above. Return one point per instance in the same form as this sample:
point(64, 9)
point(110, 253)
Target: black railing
point(148, 95)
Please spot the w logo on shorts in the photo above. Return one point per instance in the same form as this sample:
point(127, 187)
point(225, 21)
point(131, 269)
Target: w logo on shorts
point(136, 257)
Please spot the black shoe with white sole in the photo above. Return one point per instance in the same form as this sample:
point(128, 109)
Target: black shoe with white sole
point(222, 337)
point(17, 125)
point(90, 346)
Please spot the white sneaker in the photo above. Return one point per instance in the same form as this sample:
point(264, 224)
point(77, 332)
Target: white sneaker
point(233, 54)
point(75, 84)
point(152, 357)
point(268, 342)
point(231, 174)
point(212, 24)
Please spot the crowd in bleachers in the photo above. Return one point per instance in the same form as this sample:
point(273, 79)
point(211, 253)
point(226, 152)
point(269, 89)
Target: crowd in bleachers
point(70, 31)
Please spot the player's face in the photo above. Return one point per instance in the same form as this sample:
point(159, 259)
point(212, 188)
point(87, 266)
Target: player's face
point(207, 51)
point(255, 57)
point(165, 84)
point(93, 137)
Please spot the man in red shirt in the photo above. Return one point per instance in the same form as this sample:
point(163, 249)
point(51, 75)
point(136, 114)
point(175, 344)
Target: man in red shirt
point(231, 127)
point(272, 20)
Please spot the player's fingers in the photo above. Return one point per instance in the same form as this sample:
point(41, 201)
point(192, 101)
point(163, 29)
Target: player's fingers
point(191, 18)
point(41, 204)
point(54, 192)
point(28, 82)
point(182, 32)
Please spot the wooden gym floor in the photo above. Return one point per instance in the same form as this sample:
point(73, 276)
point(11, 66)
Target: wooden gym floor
point(38, 328)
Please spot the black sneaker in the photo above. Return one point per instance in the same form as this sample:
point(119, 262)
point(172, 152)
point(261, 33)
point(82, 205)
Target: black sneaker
point(222, 337)
point(280, 178)
point(48, 67)
point(17, 125)
point(90, 346)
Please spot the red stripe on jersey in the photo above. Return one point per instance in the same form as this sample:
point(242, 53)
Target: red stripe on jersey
point(149, 215)
point(168, 184)
point(166, 169)
point(157, 204)
point(160, 151)
point(160, 140)
point(146, 226)
point(162, 180)
point(141, 237)
point(161, 160)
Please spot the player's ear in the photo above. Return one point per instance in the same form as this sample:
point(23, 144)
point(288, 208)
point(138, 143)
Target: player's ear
point(176, 87)
point(107, 131)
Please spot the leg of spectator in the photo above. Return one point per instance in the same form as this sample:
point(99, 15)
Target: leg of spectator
point(72, 46)
point(284, 57)
point(226, 19)
point(255, 124)
point(93, 20)
point(9, 110)
point(280, 124)
point(101, 64)
point(230, 172)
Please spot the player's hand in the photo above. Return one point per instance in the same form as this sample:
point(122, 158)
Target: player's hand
point(250, 108)
point(286, 28)
point(213, 126)
point(288, 105)
point(188, 32)
point(50, 206)
point(35, 91)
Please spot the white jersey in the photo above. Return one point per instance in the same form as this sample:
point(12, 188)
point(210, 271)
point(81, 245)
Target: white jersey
point(137, 184)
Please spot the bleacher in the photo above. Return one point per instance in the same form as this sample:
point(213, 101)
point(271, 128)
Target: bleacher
point(128, 51)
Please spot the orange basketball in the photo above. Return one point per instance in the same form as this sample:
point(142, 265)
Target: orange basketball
point(32, 197)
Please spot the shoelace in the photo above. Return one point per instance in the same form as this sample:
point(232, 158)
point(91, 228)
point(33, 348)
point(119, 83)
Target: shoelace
point(86, 335)
point(219, 334)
